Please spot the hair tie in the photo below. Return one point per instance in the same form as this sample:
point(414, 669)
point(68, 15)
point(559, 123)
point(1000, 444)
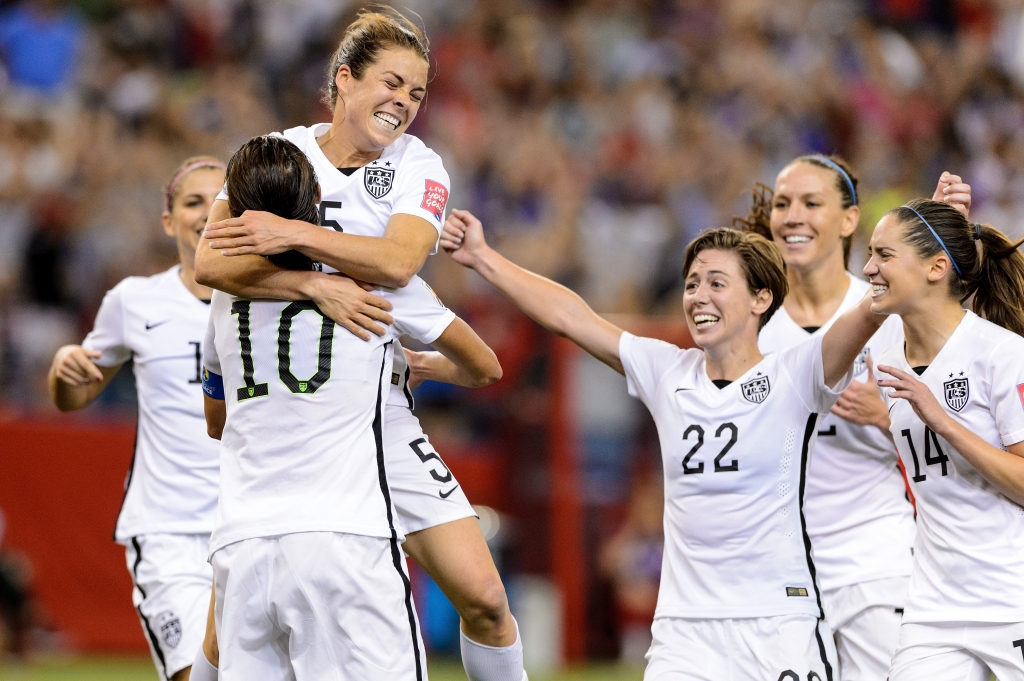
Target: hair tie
point(977, 231)
point(206, 163)
point(936, 235)
point(839, 169)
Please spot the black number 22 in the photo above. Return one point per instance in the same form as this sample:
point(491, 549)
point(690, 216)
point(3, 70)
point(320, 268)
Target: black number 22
point(719, 468)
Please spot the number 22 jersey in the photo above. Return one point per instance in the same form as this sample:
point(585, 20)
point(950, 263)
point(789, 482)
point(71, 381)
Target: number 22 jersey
point(735, 462)
point(969, 554)
point(302, 446)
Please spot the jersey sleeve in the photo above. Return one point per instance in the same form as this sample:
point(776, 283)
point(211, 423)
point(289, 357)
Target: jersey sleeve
point(645, 361)
point(108, 333)
point(422, 190)
point(213, 375)
point(1007, 398)
point(418, 312)
point(806, 368)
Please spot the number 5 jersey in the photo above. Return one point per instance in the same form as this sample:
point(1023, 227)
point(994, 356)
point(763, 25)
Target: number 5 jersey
point(735, 460)
point(302, 447)
point(969, 554)
point(155, 321)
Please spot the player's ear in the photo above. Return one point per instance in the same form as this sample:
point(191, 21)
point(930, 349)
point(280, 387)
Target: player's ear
point(343, 78)
point(762, 301)
point(165, 220)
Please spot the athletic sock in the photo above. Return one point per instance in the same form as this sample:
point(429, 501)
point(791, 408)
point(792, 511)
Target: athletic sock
point(491, 663)
point(202, 670)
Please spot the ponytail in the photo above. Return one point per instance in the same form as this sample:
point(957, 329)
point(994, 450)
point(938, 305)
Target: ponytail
point(999, 290)
point(759, 221)
point(993, 273)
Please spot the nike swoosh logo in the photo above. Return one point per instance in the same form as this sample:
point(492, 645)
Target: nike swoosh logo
point(153, 326)
point(681, 389)
point(445, 495)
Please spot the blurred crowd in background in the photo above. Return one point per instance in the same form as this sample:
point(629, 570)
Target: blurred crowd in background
point(594, 138)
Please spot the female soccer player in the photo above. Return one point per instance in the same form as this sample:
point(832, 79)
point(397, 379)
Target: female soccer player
point(859, 520)
point(383, 195)
point(171, 491)
point(957, 417)
point(738, 595)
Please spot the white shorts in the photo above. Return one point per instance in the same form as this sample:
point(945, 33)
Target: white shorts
point(865, 619)
point(783, 648)
point(959, 651)
point(172, 595)
point(423, 491)
point(315, 605)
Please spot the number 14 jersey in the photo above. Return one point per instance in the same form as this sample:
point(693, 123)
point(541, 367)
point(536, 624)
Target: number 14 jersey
point(969, 554)
point(735, 462)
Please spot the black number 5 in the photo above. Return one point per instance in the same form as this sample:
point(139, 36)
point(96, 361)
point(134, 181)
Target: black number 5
point(427, 456)
point(324, 220)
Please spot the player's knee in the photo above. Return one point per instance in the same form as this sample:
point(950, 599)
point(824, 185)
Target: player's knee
point(487, 605)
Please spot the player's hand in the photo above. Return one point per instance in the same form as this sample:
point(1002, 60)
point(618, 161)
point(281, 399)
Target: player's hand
point(463, 237)
point(952, 190)
point(351, 304)
point(910, 388)
point(255, 232)
point(862, 403)
point(73, 364)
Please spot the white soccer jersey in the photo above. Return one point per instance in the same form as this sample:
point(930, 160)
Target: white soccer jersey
point(735, 460)
point(969, 553)
point(302, 446)
point(860, 521)
point(172, 484)
point(408, 178)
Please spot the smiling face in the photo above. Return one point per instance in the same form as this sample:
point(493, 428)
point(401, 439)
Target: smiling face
point(378, 108)
point(193, 197)
point(718, 303)
point(808, 221)
point(900, 278)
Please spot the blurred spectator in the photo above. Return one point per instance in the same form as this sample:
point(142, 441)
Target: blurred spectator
point(40, 41)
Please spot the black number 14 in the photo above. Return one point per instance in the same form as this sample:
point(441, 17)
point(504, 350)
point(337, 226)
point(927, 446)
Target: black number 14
point(930, 459)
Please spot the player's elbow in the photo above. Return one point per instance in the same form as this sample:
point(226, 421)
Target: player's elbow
point(488, 372)
point(205, 270)
point(215, 430)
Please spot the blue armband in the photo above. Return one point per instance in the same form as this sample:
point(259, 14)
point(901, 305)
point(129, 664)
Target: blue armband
point(213, 385)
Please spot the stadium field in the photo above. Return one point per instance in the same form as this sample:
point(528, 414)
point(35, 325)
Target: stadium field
point(141, 669)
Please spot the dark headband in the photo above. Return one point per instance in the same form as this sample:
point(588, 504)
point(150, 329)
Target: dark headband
point(839, 169)
point(936, 235)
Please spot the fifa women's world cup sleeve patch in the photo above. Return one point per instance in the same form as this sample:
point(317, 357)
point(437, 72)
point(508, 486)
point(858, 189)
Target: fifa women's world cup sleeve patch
point(435, 198)
point(213, 385)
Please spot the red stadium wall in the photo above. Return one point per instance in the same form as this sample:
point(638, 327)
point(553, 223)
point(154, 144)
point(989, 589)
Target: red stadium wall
point(61, 483)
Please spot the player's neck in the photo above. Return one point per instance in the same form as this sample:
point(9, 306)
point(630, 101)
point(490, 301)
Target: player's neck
point(187, 274)
point(928, 328)
point(731, 359)
point(341, 152)
point(816, 294)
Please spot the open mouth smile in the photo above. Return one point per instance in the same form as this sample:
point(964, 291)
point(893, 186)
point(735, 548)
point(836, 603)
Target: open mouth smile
point(387, 120)
point(705, 320)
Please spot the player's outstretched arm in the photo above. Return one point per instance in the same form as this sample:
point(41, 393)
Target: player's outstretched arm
point(391, 261)
point(550, 304)
point(846, 338)
point(463, 359)
point(75, 380)
point(252, 276)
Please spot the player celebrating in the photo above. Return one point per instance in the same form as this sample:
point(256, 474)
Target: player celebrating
point(376, 181)
point(957, 411)
point(171, 489)
point(307, 568)
point(738, 596)
point(859, 520)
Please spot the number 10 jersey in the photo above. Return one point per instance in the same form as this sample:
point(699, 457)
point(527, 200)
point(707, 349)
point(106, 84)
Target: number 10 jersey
point(302, 446)
point(735, 460)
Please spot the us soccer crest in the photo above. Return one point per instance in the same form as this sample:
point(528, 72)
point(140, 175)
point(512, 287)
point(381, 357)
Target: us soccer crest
point(861, 363)
point(378, 181)
point(170, 628)
point(756, 389)
point(957, 392)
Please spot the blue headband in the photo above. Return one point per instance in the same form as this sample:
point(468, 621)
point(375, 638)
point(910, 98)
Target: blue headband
point(839, 169)
point(936, 235)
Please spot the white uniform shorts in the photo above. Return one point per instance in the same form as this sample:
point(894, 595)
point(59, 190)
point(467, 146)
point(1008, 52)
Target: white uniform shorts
point(423, 491)
point(172, 595)
point(865, 619)
point(322, 606)
point(959, 651)
point(782, 648)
